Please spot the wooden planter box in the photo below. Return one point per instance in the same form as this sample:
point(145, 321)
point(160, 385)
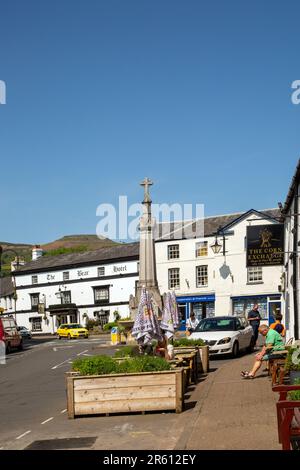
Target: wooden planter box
point(202, 356)
point(124, 393)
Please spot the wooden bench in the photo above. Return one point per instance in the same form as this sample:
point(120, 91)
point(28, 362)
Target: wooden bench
point(288, 417)
point(276, 367)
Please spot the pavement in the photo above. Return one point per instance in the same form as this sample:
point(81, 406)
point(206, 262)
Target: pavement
point(222, 411)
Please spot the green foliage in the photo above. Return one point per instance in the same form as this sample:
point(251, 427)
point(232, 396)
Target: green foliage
point(188, 342)
point(295, 394)
point(64, 251)
point(117, 316)
point(109, 326)
point(127, 351)
point(101, 365)
point(90, 324)
point(289, 364)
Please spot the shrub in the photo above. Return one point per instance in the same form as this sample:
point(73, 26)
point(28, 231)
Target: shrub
point(90, 324)
point(290, 364)
point(100, 365)
point(294, 395)
point(127, 351)
point(109, 326)
point(188, 342)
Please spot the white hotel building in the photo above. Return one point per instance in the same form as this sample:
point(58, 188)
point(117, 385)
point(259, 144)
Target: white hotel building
point(98, 283)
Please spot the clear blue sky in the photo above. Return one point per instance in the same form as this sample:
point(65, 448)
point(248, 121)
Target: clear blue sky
point(100, 93)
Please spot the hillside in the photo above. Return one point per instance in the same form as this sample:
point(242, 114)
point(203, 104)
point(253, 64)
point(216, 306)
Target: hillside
point(67, 244)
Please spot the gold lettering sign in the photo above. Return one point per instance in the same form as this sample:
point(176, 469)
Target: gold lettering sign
point(265, 245)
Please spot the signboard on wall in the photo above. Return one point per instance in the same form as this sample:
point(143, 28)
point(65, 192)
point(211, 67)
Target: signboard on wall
point(265, 245)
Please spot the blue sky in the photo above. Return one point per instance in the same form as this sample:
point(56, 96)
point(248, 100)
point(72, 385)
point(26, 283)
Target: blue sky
point(100, 93)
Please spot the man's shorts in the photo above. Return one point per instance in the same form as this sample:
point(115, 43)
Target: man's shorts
point(268, 357)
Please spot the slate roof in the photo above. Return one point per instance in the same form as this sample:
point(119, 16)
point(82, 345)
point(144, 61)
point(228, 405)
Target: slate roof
point(126, 251)
point(112, 253)
point(6, 286)
point(292, 189)
point(207, 226)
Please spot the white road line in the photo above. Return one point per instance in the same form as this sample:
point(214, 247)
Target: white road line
point(66, 361)
point(63, 411)
point(47, 420)
point(22, 435)
point(79, 354)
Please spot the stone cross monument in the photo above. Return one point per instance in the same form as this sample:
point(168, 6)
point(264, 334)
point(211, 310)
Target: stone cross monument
point(147, 271)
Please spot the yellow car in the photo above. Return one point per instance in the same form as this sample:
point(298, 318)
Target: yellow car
point(72, 330)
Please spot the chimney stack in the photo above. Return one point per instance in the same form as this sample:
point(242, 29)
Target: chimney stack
point(37, 252)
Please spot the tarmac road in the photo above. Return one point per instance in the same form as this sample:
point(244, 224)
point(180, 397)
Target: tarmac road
point(32, 386)
point(33, 403)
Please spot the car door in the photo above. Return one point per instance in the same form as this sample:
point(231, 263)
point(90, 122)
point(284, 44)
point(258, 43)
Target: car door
point(242, 333)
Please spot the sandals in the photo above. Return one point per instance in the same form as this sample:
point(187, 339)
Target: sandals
point(246, 375)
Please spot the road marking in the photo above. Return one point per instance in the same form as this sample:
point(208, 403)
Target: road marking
point(63, 411)
point(22, 435)
point(47, 420)
point(79, 354)
point(66, 361)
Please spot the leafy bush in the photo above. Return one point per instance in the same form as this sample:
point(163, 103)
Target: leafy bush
point(188, 342)
point(100, 365)
point(90, 324)
point(294, 395)
point(290, 364)
point(127, 351)
point(109, 326)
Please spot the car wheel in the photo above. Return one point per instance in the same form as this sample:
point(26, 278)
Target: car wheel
point(235, 349)
point(58, 337)
point(20, 347)
point(8, 348)
point(250, 348)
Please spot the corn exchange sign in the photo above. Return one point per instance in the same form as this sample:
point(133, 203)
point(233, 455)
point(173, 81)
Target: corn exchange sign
point(265, 245)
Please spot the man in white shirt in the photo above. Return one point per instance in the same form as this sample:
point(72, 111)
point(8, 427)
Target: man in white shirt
point(191, 323)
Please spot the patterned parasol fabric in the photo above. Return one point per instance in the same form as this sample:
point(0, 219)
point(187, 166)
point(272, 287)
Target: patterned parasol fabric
point(170, 322)
point(146, 327)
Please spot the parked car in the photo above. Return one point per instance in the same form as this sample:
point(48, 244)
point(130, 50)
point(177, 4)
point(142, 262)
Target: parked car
point(9, 333)
point(24, 332)
point(72, 330)
point(225, 335)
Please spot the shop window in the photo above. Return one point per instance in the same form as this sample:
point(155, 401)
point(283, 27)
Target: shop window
point(34, 279)
point(66, 275)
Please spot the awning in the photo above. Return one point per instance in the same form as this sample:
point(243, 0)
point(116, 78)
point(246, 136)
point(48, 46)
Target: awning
point(59, 309)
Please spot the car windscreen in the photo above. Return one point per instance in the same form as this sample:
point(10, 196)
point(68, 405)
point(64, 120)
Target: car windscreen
point(215, 324)
point(75, 326)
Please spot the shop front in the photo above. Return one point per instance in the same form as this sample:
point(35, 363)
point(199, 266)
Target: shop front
point(203, 306)
point(268, 305)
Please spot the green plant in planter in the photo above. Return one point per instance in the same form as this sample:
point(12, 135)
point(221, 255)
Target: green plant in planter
point(100, 365)
point(294, 395)
point(293, 359)
point(188, 342)
point(127, 351)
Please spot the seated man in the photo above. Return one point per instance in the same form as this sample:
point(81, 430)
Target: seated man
point(274, 342)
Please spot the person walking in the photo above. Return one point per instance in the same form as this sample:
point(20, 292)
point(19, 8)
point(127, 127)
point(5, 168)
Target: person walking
point(254, 319)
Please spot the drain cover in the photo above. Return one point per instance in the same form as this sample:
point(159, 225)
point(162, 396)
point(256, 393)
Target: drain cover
point(66, 443)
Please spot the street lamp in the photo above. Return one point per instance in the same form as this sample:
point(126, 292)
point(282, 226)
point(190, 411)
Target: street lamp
point(216, 247)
